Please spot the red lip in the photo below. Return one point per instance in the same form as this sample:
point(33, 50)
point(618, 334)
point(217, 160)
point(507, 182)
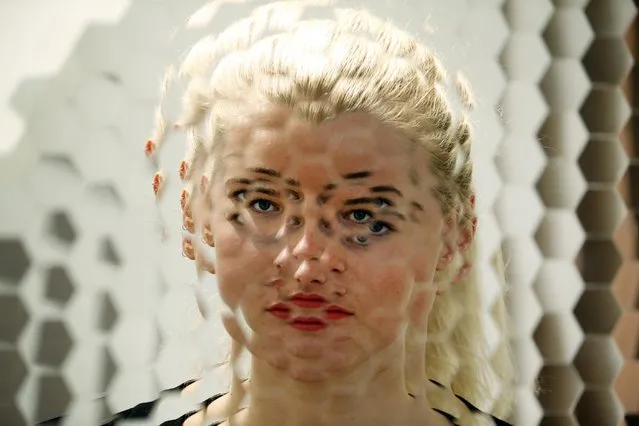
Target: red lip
point(280, 310)
point(308, 300)
point(308, 323)
point(335, 312)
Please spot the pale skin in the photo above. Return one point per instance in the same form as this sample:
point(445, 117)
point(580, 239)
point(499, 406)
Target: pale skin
point(345, 209)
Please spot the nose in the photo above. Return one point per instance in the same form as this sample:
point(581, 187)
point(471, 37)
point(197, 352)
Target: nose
point(312, 256)
point(310, 246)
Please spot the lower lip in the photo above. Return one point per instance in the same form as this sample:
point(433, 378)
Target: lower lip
point(308, 326)
point(334, 315)
point(280, 313)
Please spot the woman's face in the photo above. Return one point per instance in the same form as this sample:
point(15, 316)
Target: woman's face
point(323, 233)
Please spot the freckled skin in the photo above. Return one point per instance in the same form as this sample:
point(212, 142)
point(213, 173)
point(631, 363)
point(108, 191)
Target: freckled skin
point(319, 209)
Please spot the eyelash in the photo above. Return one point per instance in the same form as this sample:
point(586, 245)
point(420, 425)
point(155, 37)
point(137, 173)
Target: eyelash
point(390, 228)
point(239, 195)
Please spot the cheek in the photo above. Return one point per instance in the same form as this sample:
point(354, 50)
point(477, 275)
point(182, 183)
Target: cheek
point(384, 292)
point(238, 263)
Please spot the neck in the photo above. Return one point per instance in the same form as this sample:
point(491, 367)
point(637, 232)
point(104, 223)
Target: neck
point(373, 394)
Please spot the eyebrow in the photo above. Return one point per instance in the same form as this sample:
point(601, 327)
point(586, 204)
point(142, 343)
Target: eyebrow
point(358, 175)
point(267, 191)
point(265, 171)
point(386, 188)
point(367, 200)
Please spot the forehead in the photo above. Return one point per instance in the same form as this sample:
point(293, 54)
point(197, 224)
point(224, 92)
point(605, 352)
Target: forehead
point(322, 154)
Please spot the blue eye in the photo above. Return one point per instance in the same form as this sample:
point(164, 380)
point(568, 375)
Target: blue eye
point(264, 206)
point(380, 228)
point(359, 216)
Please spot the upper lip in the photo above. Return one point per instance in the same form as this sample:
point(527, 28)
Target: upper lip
point(309, 301)
point(308, 296)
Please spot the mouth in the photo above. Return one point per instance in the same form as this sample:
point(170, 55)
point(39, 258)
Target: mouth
point(335, 312)
point(308, 300)
point(308, 323)
point(280, 310)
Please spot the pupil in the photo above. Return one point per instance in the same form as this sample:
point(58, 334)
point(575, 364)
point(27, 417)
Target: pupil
point(360, 215)
point(377, 227)
point(263, 204)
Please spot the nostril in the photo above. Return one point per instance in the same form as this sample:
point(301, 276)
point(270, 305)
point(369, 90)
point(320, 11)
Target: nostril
point(337, 271)
point(316, 282)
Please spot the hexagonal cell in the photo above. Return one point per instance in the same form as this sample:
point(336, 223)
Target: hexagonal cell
point(14, 318)
point(492, 75)
point(60, 229)
point(598, 407)
point(598, 262)
point(605, 110)
point(601, 212)
point(560, 388)
point(598, 361)
point(10, 414)
point(518, 210)
point(561, 185)
point(490, 23)
point(558, 285)
point(528, 409)
point(524, 57)
point(53, 397)
point(523, 259)
point(134, 342)
point(524, 107)
point(559, 420)
point(526, 17)
point(108, 314)
point(565, 85)
point(558, 337)
point(527, 359)
point(129, 388)
point(624, 287)
point(559, 234)
point(608, 60)
point(568, 33)
point(603, 161)
point(100, 102)
point(58, 284)
point(14, 372)
point(521, 160)
point(108, 253)
point(528, 311)
point(56, 117)
point(55, 180)
point(563, 134)
point(105, 196)
point(29, 91)
point(109, 369)
point(603, 302)
point(610, 17)
point(14, 261)
point(55, 343)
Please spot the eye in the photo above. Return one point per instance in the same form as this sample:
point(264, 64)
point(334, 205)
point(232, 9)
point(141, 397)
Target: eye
point(359, 216)
point(264, 206)
point(293, 195)
point(239, 195)
point(361, 240)
point(380, 228)
point(383, 202)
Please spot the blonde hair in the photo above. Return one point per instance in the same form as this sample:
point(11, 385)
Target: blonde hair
point(323, 68)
